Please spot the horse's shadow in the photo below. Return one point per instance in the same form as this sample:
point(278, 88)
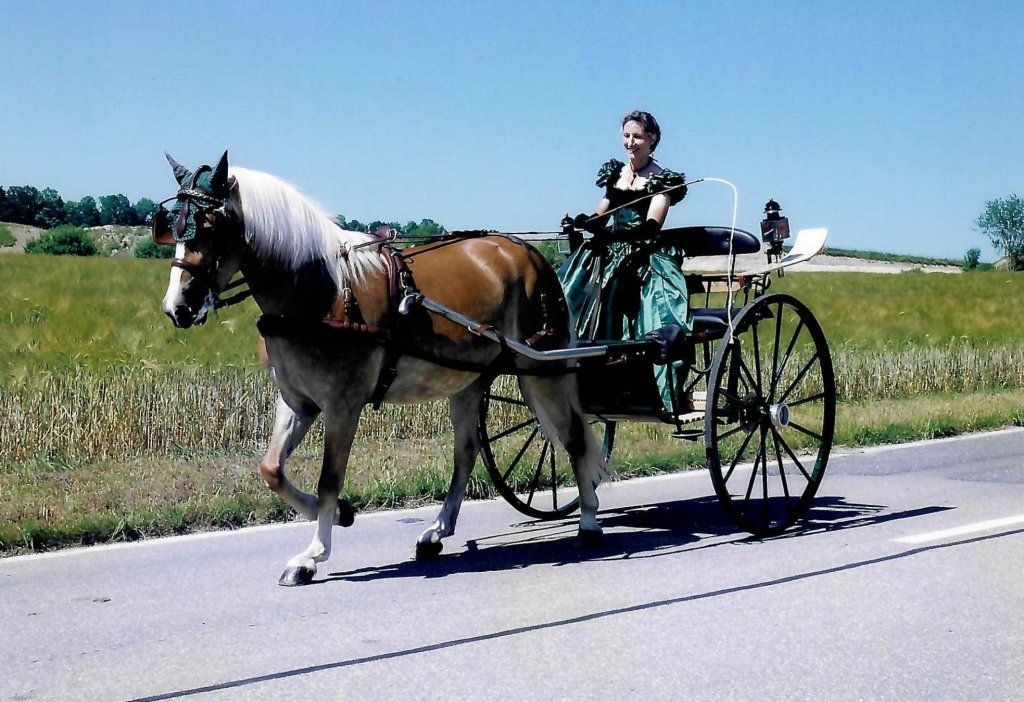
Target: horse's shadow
point(646, 531)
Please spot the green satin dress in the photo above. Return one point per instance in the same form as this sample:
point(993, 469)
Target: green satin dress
point(639, 289)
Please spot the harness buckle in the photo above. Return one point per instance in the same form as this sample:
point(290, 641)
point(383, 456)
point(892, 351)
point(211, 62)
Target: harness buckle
point(409, 301)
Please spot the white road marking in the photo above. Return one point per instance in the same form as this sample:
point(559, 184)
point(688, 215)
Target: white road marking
point(961, 530)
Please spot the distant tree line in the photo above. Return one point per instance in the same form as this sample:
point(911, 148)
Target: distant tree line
point(425, 227)
point(25, 204)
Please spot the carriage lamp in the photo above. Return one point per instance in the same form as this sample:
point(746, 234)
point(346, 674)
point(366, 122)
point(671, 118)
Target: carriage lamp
point(774, 228)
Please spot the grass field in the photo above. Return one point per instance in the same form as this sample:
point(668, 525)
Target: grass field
point(99, 396)
point(6, 237)
point(96, 314)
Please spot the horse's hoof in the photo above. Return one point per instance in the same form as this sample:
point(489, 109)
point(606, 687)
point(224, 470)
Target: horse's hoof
point(591, 539)
point(293, 577)
point(428, 550)
point(346, 515)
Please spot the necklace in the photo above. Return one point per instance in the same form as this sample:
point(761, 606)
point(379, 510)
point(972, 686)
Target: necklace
point(636, 172)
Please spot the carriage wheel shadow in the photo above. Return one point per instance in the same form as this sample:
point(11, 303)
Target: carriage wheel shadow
point(645, 531)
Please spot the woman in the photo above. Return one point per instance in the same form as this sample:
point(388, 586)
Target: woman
point(641, 287)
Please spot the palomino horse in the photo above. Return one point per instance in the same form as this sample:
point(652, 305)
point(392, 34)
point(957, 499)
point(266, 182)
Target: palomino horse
point(330, 292)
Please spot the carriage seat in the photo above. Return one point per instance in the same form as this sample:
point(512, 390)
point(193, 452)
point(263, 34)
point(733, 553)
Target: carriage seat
point(676, 344)
point(709, 241)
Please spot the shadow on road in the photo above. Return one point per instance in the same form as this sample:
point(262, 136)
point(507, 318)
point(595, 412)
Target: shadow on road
point(646, 531)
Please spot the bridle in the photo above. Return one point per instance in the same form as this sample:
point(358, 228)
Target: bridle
point(190, 196)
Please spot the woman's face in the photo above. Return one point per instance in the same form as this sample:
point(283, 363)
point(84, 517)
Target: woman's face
point(636, 142)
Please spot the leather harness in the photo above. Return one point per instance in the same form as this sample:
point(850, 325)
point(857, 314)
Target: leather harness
point(401, 287)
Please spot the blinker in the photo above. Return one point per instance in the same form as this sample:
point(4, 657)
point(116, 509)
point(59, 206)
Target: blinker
point(161, 228)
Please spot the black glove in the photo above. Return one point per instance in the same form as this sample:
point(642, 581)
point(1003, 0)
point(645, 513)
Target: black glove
point(646, 231)
point(593, 223)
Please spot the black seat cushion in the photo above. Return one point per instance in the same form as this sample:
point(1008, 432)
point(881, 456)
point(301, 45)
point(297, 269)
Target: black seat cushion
point(709, 241)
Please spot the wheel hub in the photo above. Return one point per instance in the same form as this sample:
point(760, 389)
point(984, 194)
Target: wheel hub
point(779, 414)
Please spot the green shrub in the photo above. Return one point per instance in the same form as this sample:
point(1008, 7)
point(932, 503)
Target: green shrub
point(147, 248)
point(971, 259)
point(65, 240)
point(6, 238)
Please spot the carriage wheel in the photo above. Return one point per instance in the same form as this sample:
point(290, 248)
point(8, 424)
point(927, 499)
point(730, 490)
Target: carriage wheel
point(770, 414)
point(532, 474)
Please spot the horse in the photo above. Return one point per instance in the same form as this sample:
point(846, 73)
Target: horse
point(332, 295)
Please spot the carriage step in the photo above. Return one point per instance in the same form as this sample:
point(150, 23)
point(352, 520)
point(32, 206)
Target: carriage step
point(688, 418)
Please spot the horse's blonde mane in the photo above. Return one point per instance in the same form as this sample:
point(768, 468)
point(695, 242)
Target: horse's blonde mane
point(284, 225)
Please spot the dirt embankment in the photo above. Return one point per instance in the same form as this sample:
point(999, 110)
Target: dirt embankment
point(22, 234)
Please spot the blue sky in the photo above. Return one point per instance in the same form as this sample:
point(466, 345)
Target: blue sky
point(891, 123)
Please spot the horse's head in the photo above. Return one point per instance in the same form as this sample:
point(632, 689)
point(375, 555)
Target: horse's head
point(204, 224)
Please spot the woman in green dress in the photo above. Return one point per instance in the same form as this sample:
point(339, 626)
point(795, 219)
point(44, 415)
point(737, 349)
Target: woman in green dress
point(641, 287)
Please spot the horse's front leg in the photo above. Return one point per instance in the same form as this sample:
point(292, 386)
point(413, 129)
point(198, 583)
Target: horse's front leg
point(289, 429)
point(465, 415)
point(339, 432)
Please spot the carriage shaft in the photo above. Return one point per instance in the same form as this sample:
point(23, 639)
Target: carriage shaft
point(489, 332)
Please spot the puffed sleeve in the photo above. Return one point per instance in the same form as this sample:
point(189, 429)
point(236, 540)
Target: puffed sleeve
point(609, 173)
point(668, 180)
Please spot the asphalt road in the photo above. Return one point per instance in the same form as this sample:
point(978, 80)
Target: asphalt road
point(677, 605)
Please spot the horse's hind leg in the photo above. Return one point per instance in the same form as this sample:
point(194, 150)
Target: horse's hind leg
point(339, 432)
point(465, 415)
point(555, 402)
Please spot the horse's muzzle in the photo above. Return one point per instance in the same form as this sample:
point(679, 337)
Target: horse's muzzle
point(182, 317)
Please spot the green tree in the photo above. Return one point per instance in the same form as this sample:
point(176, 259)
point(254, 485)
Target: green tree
point(50, 209)
point(1002, 221)
point(65, 240)
point(88, 212)
point(144, 207)
point(971, 259)
point(84, 213)
point(429, 227)
point(117, 209)
point(352, 225)
point(22, 202)
point(4, 206)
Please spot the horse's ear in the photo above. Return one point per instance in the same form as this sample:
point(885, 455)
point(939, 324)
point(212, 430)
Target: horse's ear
point(219, 181)
point(180, 172)
point(232, 201)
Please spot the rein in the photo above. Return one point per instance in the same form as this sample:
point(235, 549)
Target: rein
point(204, 276)
point(642, 198)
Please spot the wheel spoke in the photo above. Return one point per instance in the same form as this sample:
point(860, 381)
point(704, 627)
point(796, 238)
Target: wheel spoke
point(764, 471)
point(785, 359)
point(515, 461)
point(812, 398)
point(753, 473)
point(536, 475)
point(554, 481)
point(511, 430)
point(778, 459)
point(739, 454)
point(791, 454)
point(775, 348)
point(757, 360)
point(799, 377)
point(752, 386)
point(734, 430)
point(510, 400)
point(805, 430)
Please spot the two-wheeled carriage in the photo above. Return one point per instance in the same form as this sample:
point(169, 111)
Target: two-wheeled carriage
point(348, 320)
point(755, 369)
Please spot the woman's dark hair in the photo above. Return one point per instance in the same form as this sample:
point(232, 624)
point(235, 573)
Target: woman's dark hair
point(647, 121)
